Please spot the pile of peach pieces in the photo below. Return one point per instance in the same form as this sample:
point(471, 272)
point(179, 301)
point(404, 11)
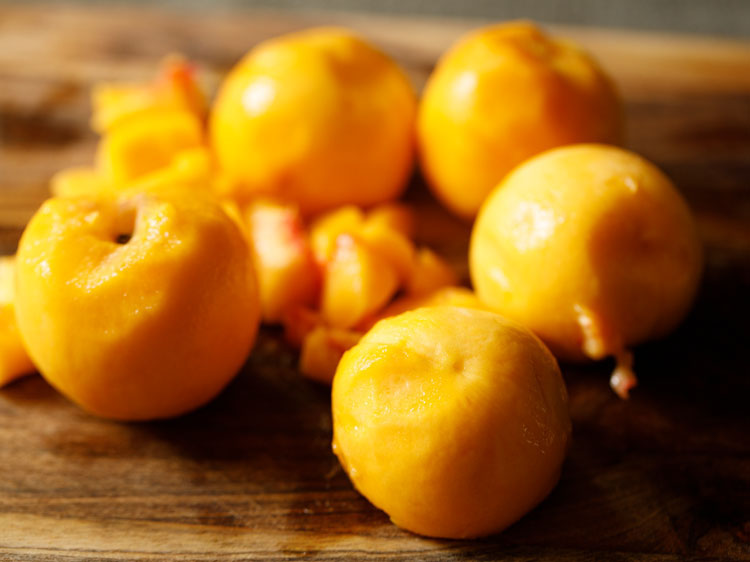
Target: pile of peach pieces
point(326, 282)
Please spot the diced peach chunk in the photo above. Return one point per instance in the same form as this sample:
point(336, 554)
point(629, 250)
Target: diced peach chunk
point(357, 282)
point(392, 245)
point(174, 89)
point(14, 361)
point(140, 146)
point(396, 216)
point(327, 228)
point(288, 276)
point(298, 322)
point(431, 272)
point(322, 349)
point(191, 168)
point(232, 209)
point(78, 181)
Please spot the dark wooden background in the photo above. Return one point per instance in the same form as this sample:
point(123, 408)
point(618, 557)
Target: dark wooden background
point(664, 476)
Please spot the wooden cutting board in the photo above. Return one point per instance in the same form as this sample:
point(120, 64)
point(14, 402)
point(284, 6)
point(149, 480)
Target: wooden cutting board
point(664, 476)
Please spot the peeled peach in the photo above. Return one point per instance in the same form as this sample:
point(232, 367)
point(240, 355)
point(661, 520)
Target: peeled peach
point(592, 248)
point(320, 118)
point(14, 360)
point(454, 421)
point(136, 306)
point(288, 276)
point(502, 94)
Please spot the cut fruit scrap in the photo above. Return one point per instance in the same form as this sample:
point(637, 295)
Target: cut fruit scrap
point(431, 272)
point(288, 275)
point(78, 181)
point(392, 245)
point(192, 168)
point(357, 282)
point(387, 230)
point(14, 360)
point(364, 258)
point(298, 322)
point(147, 143)
point(322, 349)
point(175, 88)
point(326, 229)
point(396, 216)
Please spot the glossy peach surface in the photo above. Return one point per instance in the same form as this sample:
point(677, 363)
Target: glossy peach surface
point(453, 421)
point(591, 247)
point(502, 94)
point(320, 118)
point(136, 307)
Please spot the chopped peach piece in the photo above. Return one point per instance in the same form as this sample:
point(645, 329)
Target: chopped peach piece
point(77, 181)
point(327, 228)
point(298, 322)
point(140, 146)
point(232, 209)
point(189, 168)
point(174, 88)
point(14, 360)
point(288, 275)
point(194, 163)
point(396, 216)
point(357, 282)
point(392, 245)
point(322, 350)
point(431, 272)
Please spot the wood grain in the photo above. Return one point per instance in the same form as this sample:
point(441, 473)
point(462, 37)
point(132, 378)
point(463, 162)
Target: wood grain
point(664, 476)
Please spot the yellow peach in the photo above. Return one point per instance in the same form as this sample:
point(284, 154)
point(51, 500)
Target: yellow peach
point(502, 94)
point(454, 421)
point(137, 306)
point(592, 248)
point(320, 118)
